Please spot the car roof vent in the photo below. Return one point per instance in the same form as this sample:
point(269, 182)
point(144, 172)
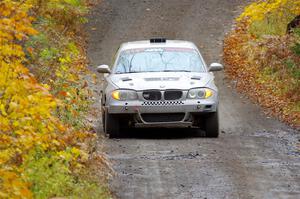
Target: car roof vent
point(158, 40)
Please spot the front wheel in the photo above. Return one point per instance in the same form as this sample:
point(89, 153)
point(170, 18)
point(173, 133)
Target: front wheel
point(211, 125)
point(112, 125)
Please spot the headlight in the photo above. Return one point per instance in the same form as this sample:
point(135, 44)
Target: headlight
point(199, 93)
point(124, 95)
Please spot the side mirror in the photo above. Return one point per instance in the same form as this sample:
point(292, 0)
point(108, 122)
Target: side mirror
point(215, 67)
point(103, 69)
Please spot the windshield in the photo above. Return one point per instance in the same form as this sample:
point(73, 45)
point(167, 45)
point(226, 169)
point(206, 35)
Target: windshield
point(159, 60)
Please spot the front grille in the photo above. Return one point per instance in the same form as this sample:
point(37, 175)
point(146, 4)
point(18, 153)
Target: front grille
point(172, 95)
point(162, 103)
point(162, 117)
point(152, 95)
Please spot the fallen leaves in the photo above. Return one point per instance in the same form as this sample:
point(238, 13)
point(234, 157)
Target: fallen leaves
point(265, 68)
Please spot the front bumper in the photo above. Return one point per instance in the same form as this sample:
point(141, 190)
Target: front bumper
point(186, 106)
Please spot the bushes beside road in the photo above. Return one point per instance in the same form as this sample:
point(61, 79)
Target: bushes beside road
point(46, 145)
point(264, 59)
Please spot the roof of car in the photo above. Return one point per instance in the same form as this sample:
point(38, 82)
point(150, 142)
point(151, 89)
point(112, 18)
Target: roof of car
point(148, 44)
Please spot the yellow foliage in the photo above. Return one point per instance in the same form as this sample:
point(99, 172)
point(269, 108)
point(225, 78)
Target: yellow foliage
point(12, 187)
point(26, 107)
point(259, 55)
point(257, 11)
point(43, 99)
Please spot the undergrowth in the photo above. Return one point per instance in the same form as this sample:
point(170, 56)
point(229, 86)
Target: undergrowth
point(46, 145)
point(265, 60)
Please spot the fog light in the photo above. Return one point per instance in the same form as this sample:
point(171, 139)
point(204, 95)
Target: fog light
point(198, 107)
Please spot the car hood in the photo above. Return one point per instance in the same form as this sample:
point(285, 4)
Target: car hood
point(160, 80)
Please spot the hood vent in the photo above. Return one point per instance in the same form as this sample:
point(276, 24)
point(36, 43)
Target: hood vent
point(196, 78)
point(126, 79)
point(162, 79)
point(153, 79)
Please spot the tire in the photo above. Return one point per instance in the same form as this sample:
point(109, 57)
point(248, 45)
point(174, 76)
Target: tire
point(112, 125)
point(211, 125)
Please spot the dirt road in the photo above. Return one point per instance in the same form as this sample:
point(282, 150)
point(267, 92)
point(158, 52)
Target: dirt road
point(255, 156)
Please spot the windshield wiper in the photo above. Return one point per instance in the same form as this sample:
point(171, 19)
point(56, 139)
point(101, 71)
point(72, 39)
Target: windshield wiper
point(154, 71)
point(176, 71)
point(127, 72)
point(143, 71)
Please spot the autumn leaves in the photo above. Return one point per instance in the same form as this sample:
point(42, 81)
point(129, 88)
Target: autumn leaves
point(264, 60)
point(40, 110)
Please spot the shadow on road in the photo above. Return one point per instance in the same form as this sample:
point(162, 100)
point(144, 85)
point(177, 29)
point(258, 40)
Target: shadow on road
point(160, 133)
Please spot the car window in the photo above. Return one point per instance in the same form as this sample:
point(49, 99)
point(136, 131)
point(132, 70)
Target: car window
point(159, 60)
